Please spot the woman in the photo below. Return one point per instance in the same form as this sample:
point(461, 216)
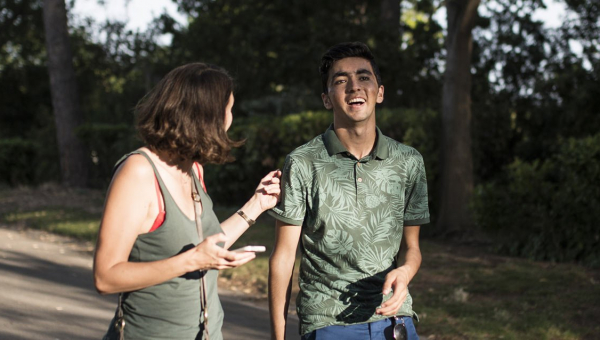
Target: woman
point(148, 246)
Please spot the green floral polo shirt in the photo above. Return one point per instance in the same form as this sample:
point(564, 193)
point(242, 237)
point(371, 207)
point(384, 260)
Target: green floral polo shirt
point(352, 214)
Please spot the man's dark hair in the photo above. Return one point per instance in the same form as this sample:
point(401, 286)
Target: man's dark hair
point(346, 50)
point(185, 114)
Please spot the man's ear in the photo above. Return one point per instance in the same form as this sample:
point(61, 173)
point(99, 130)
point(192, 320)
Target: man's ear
point(326, 101)
point(380, 95)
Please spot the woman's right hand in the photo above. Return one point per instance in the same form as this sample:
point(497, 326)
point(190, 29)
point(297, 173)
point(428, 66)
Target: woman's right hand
point(209, 255)
point(268, 190)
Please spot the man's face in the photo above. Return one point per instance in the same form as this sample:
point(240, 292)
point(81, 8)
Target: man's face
point(352, 91)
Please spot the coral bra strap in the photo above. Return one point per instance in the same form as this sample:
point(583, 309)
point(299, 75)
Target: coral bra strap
point(200, 176)
point(160, 217)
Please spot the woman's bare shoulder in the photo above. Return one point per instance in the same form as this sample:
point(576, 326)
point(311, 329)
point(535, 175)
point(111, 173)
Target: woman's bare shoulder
point(136, 166)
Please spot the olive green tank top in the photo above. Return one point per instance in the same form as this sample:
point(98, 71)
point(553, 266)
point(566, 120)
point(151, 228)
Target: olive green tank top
point(171, 310)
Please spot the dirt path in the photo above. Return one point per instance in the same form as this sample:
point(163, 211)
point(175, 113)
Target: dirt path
point(47, 293)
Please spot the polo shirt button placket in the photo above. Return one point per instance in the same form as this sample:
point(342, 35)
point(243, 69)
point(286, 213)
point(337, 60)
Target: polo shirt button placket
point(359, 179)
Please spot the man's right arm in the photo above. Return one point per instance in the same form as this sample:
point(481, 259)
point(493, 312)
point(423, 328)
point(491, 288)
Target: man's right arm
point(281, 267)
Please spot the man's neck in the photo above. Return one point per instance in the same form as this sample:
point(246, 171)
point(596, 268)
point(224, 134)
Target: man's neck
point(359, 140)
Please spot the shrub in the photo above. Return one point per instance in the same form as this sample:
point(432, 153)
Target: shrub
point(268, 140)
point(17, 157)
point(547, 209)
point(106, 144)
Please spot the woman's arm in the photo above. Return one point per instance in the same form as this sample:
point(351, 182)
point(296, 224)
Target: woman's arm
point(265, 197)
point(128, 212)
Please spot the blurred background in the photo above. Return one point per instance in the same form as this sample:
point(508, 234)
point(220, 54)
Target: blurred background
point(501, 97)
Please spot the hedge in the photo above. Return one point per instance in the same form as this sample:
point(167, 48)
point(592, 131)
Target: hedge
point(547, 209)
point(16, 161)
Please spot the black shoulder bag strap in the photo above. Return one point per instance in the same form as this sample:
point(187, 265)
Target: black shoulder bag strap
point(120, 322)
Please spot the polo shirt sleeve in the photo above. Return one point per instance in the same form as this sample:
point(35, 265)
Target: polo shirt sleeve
point(291, 208)
point(416, 208)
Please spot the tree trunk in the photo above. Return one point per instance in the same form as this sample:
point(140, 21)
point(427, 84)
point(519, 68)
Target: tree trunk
point(388, 41)
point(456, 155)
point(390, 19)
point(74, 162)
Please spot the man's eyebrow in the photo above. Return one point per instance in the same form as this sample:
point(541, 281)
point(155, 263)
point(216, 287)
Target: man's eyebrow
point(340, 74)
point(364, 71)
point(346, 74)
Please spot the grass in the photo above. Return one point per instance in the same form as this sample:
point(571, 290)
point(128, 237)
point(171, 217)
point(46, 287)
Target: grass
point(69, 222)
point(467, 293)
point(70, 212)
point(461, 292)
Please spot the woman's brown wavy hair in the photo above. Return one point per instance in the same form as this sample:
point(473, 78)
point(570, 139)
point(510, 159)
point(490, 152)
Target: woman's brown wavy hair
point(185, 114)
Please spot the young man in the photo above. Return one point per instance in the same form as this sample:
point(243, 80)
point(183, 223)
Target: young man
point(352, 197)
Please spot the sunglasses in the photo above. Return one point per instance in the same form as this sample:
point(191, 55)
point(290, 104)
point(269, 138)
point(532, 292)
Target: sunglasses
point(399, 329)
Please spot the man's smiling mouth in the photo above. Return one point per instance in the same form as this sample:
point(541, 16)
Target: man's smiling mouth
point(356, 101)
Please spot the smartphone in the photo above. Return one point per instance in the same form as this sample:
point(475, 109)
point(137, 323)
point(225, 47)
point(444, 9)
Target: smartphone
point(256, 249)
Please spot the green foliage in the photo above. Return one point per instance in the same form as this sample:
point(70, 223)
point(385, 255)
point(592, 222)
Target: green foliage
point(530, 86)
point(24, 83)
point(547, 209)
point(273, 48)
point(16, 155)
point(25, 161)
point(532, 89)
point(112, 76)
point(107, 143)
point(268, 141)
point(419, 129)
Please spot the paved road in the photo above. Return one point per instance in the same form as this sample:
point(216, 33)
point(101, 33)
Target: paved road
point(46, 292)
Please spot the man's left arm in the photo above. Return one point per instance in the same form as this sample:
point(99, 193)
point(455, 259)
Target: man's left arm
point(409, 261)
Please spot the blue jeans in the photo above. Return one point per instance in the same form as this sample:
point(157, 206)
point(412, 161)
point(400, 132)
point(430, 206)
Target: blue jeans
point(378, 330)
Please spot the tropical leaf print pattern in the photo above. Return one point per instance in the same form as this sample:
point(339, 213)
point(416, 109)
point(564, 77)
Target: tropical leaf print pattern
point(352, 217)
point(339, 242)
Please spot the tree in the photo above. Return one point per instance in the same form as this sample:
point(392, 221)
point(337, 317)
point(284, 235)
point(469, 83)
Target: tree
point(23, 76)
point(273, 47)
point(456, 154)
point(532, 85)
point(65, 97)
point(390, 18)
point(388, 41)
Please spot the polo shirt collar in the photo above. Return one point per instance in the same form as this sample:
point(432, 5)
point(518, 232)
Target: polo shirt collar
point(334, 146)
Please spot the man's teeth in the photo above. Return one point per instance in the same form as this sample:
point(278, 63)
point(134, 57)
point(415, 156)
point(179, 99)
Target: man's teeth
point(356, 101)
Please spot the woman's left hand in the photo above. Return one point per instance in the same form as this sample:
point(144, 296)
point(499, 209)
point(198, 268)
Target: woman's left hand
point(267, 192)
